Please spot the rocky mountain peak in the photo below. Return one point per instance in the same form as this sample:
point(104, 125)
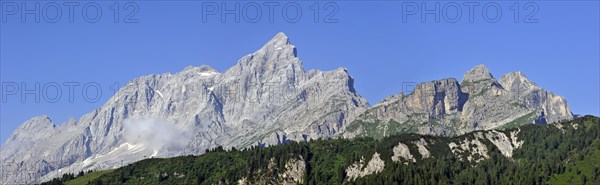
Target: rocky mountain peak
point(479, 102)
point(279, 47)
point(202, 68)
point(71, 122)
point(427, 86)
point(477, 73)
point(479, 80)
point(276, 61)
point(342, 73)
point(280, 39)
point(343, 70)
point(516, 79)
point(38, 122)
point(516, 75)
point(267, 98)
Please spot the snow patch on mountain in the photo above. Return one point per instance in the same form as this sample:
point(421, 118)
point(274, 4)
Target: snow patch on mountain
point(208, 73)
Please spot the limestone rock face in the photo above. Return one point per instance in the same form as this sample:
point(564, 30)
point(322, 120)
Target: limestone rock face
point(360, 169)
point(554, 107)
point(267, 98)
point(402, 153)
point(477, 73)
point(479, 102)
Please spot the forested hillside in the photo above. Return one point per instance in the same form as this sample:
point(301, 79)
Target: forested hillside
point(562, 153)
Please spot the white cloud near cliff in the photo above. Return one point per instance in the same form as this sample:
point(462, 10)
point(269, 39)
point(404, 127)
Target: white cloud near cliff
point(154, 133)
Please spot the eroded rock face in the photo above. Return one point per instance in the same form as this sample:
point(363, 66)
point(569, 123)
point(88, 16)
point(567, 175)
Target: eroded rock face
point(268, 98)
point(402, 153)
point(479, 102)
point(515, 139)
point(295, 170)
point(506, 144)
point(553, 107)
point(472, 150)
point(358, 169)
point(475, 150)
point(422, 146)
point(431, 99)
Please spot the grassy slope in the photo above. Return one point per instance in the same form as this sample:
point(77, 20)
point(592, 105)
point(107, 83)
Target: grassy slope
point(87, 178)
point(523, 120)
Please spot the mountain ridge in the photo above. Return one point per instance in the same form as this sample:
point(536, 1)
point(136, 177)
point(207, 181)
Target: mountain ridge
point(266, 98)
point(478, 102)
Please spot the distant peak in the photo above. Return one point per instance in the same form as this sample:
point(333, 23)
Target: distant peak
point(71, 121)
point(342, 69)
point(278, 47)
point(280, 35)
point(200, 69)
point(477, 73)
point(515, 78)
point(42, 121)
point(206, 68)
point(517, 75)
point(279, 40)
point(42, 117)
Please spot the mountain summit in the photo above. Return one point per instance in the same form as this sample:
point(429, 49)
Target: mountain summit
point(478, 73)
point(280, 39)
point(479, 102)
point(266, 99)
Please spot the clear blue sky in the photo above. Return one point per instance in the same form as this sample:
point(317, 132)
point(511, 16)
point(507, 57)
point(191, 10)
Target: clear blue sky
point(381, 50)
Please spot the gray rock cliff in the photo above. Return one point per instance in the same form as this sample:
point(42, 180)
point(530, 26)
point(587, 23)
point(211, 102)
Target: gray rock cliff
point(479, 102)
point(267, 98)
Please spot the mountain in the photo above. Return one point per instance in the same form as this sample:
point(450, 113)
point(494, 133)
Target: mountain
point(267, 98)
point(447, 107)
point(559, 153)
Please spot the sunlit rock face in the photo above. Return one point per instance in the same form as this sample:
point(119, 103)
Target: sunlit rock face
point(478, 102)
point(267, 98)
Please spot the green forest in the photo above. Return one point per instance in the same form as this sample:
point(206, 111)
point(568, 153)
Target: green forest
point(561, 153)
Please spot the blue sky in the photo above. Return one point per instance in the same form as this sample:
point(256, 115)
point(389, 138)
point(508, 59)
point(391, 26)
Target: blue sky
point(383, 44)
